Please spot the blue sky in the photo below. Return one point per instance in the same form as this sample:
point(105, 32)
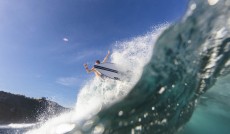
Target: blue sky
point(35, 59)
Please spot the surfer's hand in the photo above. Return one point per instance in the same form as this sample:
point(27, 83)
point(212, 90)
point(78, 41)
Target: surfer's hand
point(85, 65)
point(108, 52)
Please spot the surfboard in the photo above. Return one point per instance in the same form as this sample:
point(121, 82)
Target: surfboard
point(110, 70)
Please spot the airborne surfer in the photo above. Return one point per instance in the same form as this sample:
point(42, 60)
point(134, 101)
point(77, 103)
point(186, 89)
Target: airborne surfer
point(97, 73)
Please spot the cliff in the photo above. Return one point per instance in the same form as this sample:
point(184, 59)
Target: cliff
point(21, 109)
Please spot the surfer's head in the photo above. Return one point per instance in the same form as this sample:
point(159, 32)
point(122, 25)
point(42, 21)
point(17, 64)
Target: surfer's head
point(97, 62)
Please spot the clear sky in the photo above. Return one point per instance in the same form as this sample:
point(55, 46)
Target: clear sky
point(44, 43)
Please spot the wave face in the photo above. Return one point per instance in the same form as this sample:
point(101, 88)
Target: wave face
point(160, 98)
point(212, 112)
point(187, 60)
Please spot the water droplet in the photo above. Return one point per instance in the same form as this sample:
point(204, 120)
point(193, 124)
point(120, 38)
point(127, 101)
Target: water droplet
point(164, 121)
point(65, 39)
point(99, 129)
point(138, 127)
point(212, 2)
point(132, 131)
point(120, 113)
point(145, 115)
point(193, 6)
point(161, 90)
point(139, 119)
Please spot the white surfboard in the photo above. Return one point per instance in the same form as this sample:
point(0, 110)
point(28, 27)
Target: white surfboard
point(110, 70)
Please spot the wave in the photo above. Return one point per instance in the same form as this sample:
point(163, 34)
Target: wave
point(211, 115)
point(13, 126)
point(98, 94)
point(161, 96)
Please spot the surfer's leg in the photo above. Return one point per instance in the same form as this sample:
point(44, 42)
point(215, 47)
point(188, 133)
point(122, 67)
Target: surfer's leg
point(99, 75)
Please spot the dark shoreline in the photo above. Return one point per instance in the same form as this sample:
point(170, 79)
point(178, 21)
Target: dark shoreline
point(22, 109)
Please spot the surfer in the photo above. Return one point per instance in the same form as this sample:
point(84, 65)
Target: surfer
point(97, 73)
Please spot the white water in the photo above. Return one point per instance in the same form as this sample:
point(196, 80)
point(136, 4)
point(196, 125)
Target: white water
point(23, 125)
point(97, 94)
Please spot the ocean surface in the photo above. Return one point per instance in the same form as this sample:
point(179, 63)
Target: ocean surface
point(15, 128)
point(180, 82)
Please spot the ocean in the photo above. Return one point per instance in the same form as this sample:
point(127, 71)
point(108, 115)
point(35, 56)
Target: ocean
point(179, 82)
point(16, 128)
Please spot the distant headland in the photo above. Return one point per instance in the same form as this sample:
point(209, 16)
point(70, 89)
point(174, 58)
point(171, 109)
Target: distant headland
point(22, 109)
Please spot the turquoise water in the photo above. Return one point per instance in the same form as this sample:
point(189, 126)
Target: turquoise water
point(188, 59)
point(212, 113)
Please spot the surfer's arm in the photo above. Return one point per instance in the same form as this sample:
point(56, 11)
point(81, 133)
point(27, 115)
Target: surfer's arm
point(106, 57)
point(87, 69)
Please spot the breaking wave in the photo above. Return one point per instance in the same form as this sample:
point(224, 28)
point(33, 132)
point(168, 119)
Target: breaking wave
point(161, 94)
